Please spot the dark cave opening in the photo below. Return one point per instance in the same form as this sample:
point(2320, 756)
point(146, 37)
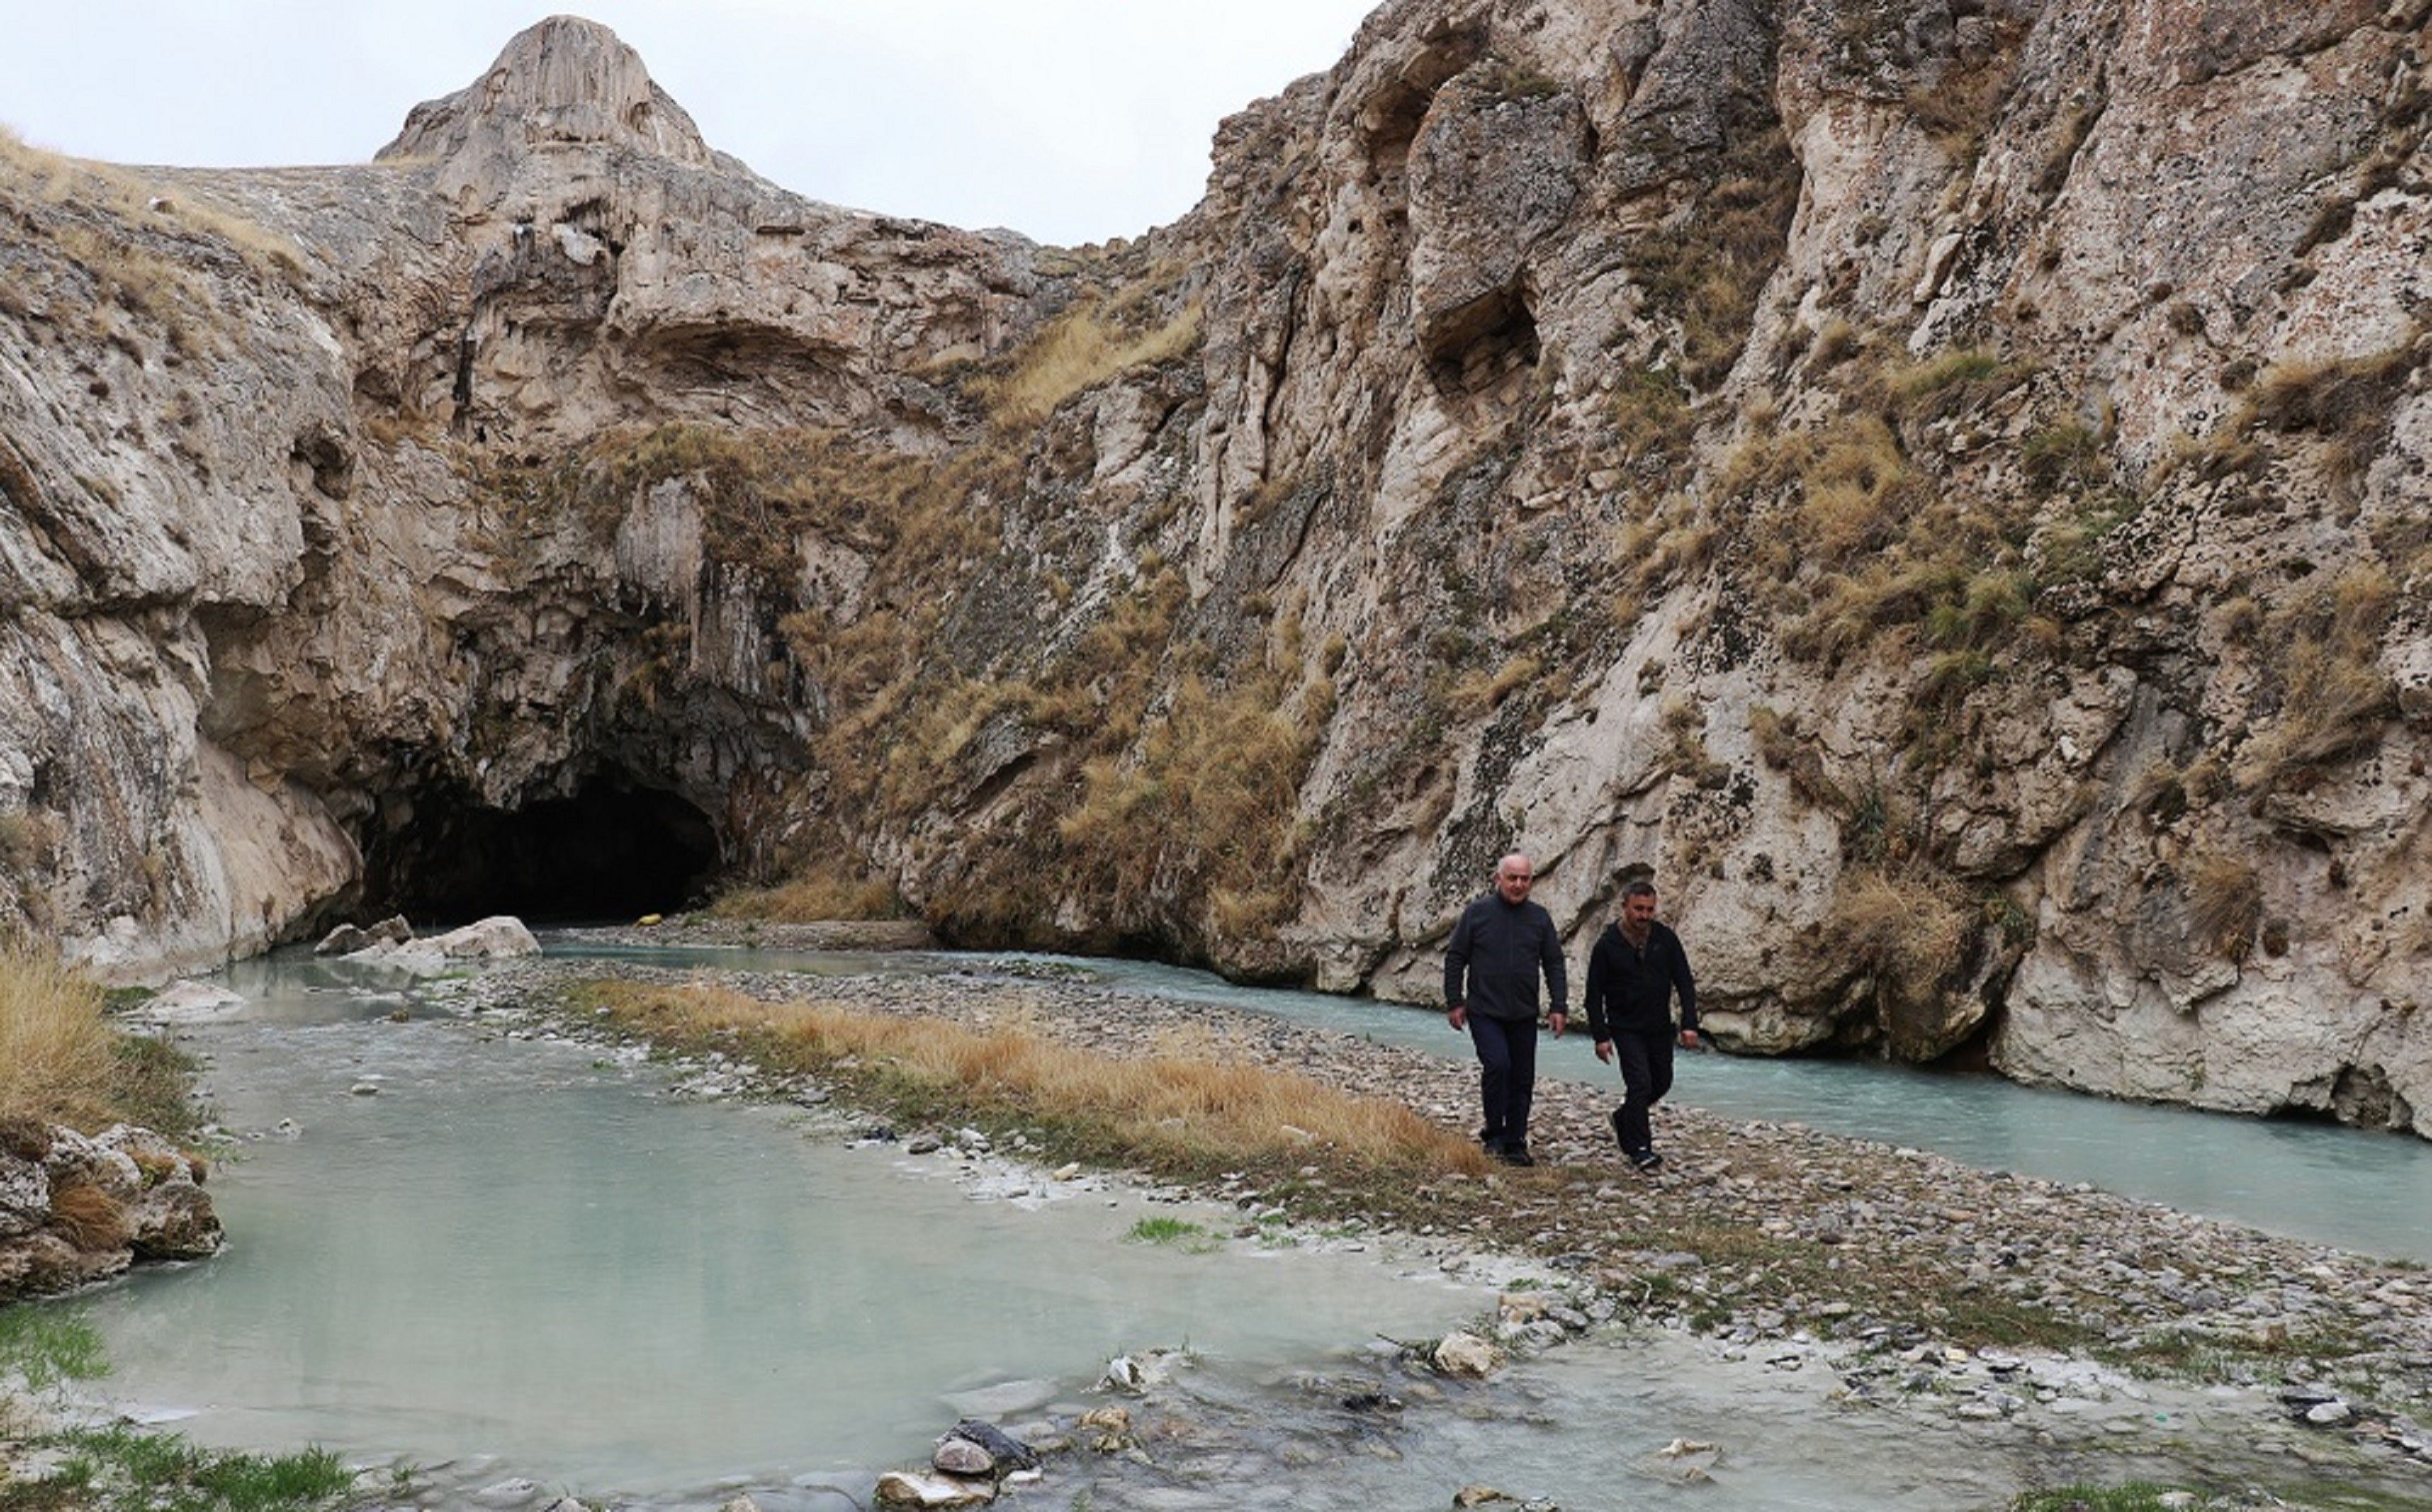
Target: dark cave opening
point(614, 851)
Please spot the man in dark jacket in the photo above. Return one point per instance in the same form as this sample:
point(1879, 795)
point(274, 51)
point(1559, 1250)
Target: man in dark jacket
point(1632, 973)
point(1491, 968)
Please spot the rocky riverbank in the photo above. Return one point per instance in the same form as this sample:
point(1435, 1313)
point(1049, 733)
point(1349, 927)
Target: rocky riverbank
point(2074, 1328)
point(75, 1210)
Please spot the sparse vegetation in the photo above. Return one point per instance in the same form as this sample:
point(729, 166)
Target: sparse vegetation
point(1706, 270)
point(1177, 1233)
point(2224, 901)
point(1089, 344)
point(1908, 936)
point(2322, 650)
point(45, 1347)
point(1185, 1117)
point(2347, 404)
point(122, 1469)
point(1651, 413)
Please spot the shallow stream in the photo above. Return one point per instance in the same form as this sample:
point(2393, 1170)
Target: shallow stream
point(523, 1264)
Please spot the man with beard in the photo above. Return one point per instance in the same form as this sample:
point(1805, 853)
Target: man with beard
point(1632, 973)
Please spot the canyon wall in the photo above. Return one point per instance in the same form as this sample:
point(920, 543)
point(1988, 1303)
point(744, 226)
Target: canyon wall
point(1941, 487)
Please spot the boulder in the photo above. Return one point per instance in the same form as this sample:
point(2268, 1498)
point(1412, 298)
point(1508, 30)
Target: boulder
point(1465, 1355)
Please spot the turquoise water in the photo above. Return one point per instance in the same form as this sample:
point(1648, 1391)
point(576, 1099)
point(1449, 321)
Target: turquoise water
point(506, 1259)
point(524, 1250)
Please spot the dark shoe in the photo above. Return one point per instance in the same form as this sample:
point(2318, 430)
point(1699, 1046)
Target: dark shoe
point(1647, 1161)
point(1615, 1119)
point(1514, 1155)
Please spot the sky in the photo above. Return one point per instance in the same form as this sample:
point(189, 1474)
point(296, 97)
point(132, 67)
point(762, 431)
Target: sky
point(1071, 121)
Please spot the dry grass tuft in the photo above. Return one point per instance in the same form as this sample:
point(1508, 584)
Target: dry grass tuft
point(1209, 793)
point(2224, 901)
point(90, 1217)
point(1852, 491)
point(2333, 694)
point(1908, 935)
point(59, 1058)
point(2347, 403)
point(1172, 1114)
point(812, 896)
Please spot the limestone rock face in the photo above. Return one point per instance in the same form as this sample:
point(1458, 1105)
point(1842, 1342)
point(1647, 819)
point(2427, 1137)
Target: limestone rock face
point(564, 81)
point(1941, 487)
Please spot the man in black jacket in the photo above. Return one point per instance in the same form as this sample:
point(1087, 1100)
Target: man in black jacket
point(1500, 945)
point(1636, 965)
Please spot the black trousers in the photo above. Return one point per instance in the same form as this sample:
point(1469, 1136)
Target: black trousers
point(1507, 1079)
point(1646, 1076)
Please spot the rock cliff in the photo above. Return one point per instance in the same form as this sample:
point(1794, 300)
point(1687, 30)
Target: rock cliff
point(1942, 486)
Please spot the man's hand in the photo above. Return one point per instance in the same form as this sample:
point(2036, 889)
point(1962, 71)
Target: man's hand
point(1557, 1018)
point(1689, 1039)
point(1604, 1051)
point(1459, 1015)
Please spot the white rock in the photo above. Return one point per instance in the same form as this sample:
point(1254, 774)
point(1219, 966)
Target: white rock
point(910, 1488)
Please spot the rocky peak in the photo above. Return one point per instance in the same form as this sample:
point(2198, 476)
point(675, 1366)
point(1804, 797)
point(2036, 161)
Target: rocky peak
point(563, 81)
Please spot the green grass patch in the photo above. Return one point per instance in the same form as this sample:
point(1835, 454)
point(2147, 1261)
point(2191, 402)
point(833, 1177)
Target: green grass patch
point(120, 1467)
point(45, 1346)
point(1179, 1233)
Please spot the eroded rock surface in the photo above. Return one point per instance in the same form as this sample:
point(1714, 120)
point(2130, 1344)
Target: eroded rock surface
point(1941, 486)
point(75, 1210)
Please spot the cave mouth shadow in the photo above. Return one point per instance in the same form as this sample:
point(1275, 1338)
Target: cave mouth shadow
point(614, 851)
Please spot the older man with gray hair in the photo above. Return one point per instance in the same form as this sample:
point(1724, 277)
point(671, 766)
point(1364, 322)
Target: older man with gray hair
point(1500, 946)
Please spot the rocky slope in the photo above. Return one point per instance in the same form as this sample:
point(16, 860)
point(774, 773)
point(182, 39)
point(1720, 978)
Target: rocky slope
point(1942, 486)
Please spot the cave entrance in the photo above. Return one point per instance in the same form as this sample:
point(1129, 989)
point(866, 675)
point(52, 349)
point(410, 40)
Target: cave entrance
point(613, 852)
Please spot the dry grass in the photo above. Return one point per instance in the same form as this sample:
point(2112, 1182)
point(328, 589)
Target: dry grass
point(1852, 491)
point(58, 1057)
point(2224, 901)
point(1910, 937)
point(90, 1217)
point(1083, 348)
point(2333, 694)
point(1479, 693)
point(1209, 793)
point(143, 205)
point(2346, 404)
point(61, 1061)
point(1651, 415)
point(1173, 1115)
point(1708, 268)
point(810, 897)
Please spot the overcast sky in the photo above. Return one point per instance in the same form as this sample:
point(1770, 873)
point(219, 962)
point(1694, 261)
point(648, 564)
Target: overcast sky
point(1069, 120)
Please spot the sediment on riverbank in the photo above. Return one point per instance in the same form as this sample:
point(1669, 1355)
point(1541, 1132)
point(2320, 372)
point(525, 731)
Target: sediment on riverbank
point(1758, 1235)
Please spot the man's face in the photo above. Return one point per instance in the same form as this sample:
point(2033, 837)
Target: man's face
point(1638, 910)
point(1513, 879)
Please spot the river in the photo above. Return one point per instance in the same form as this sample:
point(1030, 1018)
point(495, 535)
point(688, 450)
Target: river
point(517, 1263)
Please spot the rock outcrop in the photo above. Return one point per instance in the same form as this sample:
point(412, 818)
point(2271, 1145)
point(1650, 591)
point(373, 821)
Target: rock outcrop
point(75, 1210)
point(1942, 486)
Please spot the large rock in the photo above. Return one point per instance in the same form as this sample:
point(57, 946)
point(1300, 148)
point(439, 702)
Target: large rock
point(75, 1209)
